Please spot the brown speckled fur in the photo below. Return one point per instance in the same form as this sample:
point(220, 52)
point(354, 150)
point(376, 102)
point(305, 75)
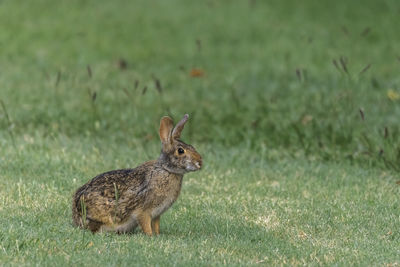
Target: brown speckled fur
point(120, 200)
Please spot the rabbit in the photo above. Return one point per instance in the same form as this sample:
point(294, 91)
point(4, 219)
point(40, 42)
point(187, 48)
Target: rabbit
point(120, 200)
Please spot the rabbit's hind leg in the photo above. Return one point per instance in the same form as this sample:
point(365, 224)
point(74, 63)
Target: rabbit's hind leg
point(145, 223)
point(155, 225)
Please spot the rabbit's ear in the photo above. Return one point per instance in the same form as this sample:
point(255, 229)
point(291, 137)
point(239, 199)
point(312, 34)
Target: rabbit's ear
point(176, 133)
point(166, 126)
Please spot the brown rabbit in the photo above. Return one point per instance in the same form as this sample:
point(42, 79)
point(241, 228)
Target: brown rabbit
point(120, 200)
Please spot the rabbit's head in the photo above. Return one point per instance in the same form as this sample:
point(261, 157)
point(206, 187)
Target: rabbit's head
point(176, 156)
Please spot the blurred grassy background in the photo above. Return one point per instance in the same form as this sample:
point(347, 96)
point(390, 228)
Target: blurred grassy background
point(269, 77)
point(282, 96)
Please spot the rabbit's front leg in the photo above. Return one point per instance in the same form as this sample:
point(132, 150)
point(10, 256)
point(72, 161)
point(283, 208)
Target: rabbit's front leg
point(145, 223)
point(155, 225)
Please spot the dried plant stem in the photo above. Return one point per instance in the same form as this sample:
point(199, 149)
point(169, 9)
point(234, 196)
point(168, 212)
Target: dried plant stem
point(89, 71)
point(84, 216)
point(365, 69)
point(343, 62)
point(116, 202)
point(58, 78)
point(9, 123)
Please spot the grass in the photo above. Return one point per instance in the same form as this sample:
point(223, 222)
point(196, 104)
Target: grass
point(300, 138)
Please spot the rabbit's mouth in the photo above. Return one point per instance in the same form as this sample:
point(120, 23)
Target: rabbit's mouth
point(193, 166)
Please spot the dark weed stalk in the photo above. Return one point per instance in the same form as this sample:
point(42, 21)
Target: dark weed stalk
point(368, 143)
point(160, 89)
point(144, 90)
point(394, 160)
point(380, 155)
point(343, 62)
point(58, 78)
point(362, 114)
point(122, 64)
point(298, 74)
point(365, 139)
point(365, 32)
point(365, 69)
point(199, 45)
point(127, 92)
point(190, 126)
point(301, 74)
point(93, 97)
point(157, 83)
point(89, 71)
point(136, 84)
point(336, 65)
point(9, 124)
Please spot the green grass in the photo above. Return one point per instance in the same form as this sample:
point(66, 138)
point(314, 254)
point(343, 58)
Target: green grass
point(293, 175)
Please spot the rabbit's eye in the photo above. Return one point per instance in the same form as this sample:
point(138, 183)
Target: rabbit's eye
point(181, 151)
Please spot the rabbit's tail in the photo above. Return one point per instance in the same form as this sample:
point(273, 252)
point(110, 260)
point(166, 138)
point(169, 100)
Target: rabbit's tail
point(77, 205)
point(79, 215)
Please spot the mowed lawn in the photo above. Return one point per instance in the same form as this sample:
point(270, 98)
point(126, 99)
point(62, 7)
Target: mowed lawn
point(294, 107)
